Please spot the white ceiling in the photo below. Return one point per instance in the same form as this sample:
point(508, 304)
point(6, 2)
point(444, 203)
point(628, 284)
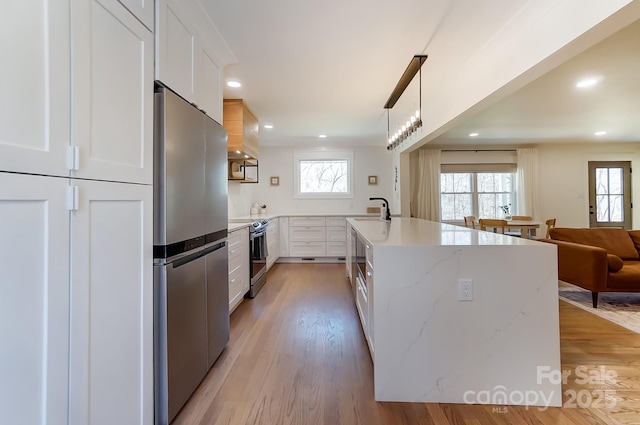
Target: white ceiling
point(327, 67)
point(553, 109)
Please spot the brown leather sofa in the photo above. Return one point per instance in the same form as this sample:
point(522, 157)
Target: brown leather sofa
point(599, 259)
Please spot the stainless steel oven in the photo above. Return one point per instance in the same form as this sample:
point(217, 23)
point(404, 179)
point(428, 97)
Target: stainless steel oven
point(257, 256)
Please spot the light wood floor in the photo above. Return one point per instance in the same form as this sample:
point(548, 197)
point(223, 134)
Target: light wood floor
point(297, 356)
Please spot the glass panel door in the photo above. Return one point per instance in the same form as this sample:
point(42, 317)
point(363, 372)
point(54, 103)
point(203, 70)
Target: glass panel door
point(610, 194)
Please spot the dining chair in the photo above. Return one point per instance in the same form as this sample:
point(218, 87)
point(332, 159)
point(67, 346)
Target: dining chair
point(551, 223)
point(497, 225)
point(522, 217)
point(518, 233)
point(470, 221)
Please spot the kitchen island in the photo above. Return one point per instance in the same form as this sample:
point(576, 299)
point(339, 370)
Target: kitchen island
point(428, 345)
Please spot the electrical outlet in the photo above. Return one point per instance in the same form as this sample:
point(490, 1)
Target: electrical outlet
point(465, 290)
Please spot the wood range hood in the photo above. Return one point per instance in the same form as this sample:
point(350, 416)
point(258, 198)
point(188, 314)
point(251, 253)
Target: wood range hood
point(242, 127)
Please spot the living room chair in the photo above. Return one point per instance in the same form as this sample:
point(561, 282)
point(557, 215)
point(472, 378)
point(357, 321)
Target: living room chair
point(470, 221)
point(497, 225)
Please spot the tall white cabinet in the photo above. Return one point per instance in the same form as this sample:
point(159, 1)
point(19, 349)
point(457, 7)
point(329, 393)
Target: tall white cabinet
point(76, 150)
point(34, 299)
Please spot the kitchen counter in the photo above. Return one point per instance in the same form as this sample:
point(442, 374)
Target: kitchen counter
point(231, 226)
point(249, 218)
point(428, 346)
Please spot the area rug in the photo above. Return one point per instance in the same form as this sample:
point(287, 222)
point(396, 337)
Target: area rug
point(620, 308)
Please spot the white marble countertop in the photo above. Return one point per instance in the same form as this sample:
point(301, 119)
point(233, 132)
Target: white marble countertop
point(249, 218)
point(414, 231)
point(235, 226)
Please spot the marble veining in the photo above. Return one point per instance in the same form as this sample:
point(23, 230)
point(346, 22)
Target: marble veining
point(431, 347)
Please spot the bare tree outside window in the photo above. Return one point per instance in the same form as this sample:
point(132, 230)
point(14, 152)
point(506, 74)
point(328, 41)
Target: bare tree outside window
point(323, 176)
point(478, 194)
point(609, 195)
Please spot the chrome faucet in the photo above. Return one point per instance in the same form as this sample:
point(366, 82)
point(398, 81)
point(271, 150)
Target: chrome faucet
point(385, 205)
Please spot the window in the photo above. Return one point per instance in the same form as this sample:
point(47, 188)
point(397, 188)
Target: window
point(324, 175)
point(476, 193)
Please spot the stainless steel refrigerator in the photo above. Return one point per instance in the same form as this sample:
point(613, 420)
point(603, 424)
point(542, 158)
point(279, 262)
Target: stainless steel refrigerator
point(191, 292)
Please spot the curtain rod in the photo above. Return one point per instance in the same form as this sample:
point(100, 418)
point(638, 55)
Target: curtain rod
point(478, 150)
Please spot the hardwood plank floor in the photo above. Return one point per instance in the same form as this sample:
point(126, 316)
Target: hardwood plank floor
point(297, 355)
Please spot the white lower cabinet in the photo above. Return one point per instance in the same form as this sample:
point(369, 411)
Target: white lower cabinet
point(273, 242)
point(75, 301)
point(111, 350)
point(283, 230)
point(34, 299)
point(238, 266)
point(317, 237)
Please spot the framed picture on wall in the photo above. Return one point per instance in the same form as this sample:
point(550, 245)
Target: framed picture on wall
point(373, 179)
point(275, 181)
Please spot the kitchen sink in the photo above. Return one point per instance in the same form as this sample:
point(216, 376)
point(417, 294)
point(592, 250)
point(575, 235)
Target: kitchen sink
point(367, 219)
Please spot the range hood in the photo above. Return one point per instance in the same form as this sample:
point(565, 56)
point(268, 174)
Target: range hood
point(242, 127)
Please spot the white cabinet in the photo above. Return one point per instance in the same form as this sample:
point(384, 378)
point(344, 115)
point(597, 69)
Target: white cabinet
point(238, 266)
point(111, 351)
point(307, 237)
point(104, 56)
point(112, 104)
point(77, 284)
point(283, 227)
point(184, 60)
point(141, 9)
point(175, 48)
point(209, 84)
point(77, 294)
point(35, 102)
point(317, 237)
point(273, 242)
point(34, 299)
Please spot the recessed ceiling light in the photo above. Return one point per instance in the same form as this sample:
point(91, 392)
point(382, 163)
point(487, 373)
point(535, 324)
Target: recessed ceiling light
point(600, 133)
point(234, 84)
point(268, 126)
point(238, 152)
point(473, 134)
point(323, 136)
point(587, 83)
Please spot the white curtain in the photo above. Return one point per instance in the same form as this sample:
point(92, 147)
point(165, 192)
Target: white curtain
point(425, 178)
point(527, 182)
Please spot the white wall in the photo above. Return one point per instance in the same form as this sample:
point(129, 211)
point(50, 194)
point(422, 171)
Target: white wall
point(564, 181)
point(239, 199)
point(278, 161)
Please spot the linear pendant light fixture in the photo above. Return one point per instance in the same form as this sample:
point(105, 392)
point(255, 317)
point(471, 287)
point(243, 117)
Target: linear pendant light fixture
point(415, 121)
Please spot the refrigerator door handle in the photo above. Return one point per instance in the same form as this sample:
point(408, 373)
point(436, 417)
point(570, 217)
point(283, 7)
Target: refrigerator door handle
point(189, 258)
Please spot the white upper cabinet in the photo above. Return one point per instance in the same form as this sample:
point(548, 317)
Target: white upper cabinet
point(112, 83)
point(111, 349)
point(35, 102)
point(208, 79)
point(141, 9)
point(176, 49)
point(190, 54)
point(34, 299)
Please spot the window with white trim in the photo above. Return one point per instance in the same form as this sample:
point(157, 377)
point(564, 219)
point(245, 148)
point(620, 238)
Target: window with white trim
point(323, 175)
point(476, 189)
